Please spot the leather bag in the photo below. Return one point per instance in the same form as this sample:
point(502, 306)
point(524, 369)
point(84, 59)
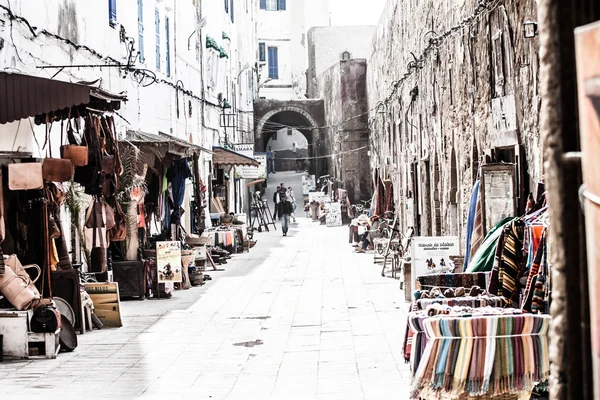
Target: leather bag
point(25, 176)
point(118, 232)
point(108, 164)
point(46, 318)
point(16, 285)
point(57, 170)
point(77, 154)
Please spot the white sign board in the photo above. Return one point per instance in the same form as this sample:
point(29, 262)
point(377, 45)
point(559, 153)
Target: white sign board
point(308, 184)
point(245, 149)
point(168, 262)
point(249, 172)
point(503, 131)
point(318, 196)
point(431, 255)
point(333, 214)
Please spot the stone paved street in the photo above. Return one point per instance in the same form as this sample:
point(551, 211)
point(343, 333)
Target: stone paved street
point(300, 317)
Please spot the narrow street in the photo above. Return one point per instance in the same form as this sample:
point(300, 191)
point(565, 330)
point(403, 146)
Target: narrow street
point(299, 317)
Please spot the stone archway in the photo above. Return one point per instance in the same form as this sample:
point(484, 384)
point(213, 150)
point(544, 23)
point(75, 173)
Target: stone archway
point(305, 116)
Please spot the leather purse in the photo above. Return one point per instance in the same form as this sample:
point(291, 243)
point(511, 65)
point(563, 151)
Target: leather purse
point(118, 232)
point(46, 318)
point(57, 170)
point(87, 176)
point(16, 285)
point(25, 176)
point(108, 164)
point(77, 154)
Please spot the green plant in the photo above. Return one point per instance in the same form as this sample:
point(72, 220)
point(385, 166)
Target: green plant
point(133, 176)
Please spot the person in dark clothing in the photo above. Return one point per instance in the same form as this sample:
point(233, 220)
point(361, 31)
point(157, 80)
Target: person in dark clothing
point(283, 211)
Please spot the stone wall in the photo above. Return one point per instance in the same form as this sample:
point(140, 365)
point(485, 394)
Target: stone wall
point(345, 135)
point(435, 70)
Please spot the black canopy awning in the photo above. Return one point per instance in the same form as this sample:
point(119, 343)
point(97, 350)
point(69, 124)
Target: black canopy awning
point(163, 143)
point(26, 96)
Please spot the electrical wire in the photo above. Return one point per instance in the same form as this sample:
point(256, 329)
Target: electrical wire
point(326, 156)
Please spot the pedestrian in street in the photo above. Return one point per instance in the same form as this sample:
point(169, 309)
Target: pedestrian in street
point(271, 157)
point(276, 200)
point(292, 199)
point(283, 211)
point(367, 237)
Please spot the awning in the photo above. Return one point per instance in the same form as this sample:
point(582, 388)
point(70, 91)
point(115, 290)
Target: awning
point(26, 96)
point(223, 156)
point(163, 143)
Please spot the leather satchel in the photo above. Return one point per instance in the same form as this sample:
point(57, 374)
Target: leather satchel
point(57, 170)
point(16, 285)
point(118, 232)
point(25, 176)
point(46, 318)
point(77, 154)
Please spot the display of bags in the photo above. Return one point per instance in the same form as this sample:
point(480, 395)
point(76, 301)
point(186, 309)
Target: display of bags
point(119, 231)
point(57, 170)
point(25, 176)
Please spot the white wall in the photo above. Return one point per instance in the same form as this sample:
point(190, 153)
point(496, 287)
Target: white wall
point(287, 31)
point(286, 142)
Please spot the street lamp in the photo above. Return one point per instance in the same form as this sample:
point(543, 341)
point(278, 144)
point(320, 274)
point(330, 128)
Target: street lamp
point(245, 67)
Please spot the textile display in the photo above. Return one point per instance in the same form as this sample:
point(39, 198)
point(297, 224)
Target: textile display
point(483, 259)
point(471, 222)
point(465, 280)
point(389, 196)
point(479, 234)
point(494, 353)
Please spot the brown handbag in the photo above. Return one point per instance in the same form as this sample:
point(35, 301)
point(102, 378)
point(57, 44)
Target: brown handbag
point(119, 232)
point(25, 176)
point(77, 154)
point(57, 170)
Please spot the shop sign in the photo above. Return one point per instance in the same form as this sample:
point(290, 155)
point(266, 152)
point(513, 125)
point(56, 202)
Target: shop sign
point(249, 172)
point(106, 302)
point(319, 197)
point(431, 255)
point(308, 184)
point(333, 214)
point(168, 262)
point(245, 149)
point(503, 131)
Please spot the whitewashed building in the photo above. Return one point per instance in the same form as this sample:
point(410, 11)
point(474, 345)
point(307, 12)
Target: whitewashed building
point(193, 59)
point(282, 45)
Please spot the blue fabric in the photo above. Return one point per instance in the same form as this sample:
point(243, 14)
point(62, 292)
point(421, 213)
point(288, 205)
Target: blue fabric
point(177, 175)
point(285, 222)
point(471, 222)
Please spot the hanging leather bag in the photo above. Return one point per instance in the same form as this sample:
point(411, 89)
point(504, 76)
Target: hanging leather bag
point(77, 154)
point(118, 232)
point(57, 170)
point(25, 176)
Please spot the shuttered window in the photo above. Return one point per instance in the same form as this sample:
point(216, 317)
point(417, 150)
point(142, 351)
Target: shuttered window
point(168, 47)
point(273, 63)
point(157, 26)
point(141, 30)
point(112, 13)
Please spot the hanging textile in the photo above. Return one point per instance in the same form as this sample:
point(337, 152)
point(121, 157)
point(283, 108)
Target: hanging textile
point(483, 259)
point(466, 280)
point(493, 353)
point(478, 235)
point(471, 222)
point(389, 196)
point(511, 260)
point(177, 176)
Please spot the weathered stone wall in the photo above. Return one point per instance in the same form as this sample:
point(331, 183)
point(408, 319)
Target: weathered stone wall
point(430, 96)
point(345, 135)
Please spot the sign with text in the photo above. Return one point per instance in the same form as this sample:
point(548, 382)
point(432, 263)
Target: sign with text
point(319, 197)
point(431, 255)
point(308, 184)
point(333, 214)
point(107, 306)
point(245, 149)
point(248, 172)
point(168, 262)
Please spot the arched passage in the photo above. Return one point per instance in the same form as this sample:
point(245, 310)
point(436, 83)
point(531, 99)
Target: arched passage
point(290, 120)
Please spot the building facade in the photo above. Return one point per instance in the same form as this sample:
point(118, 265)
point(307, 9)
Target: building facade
point(282, 28)
point(182, 64)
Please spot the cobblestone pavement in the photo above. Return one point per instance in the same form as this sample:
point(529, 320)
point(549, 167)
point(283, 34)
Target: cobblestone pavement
point(299, 317)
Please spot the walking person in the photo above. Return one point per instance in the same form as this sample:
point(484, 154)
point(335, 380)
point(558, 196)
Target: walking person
point(271, 160)
point(276, 200)
point(292, 198)
point(283, 212)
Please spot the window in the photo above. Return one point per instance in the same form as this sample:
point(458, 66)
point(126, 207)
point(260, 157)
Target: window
point(290, 132)
point(231, 13)
point(261, 52)
point(346, 56)
point(141, 30)
point(226, 5)
point(112, 13)
point(273, 5)
point(168, 47)
point(273, 63)
point(157, 26)
point(250, 86)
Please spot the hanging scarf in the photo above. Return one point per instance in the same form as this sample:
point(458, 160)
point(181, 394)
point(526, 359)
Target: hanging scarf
point(471, 222)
